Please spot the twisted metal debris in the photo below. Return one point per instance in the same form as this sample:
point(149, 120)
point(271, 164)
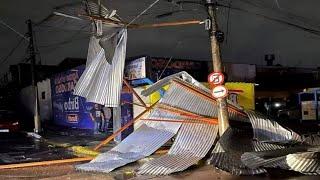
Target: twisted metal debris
point(101, 81)
point(268, 130)
point(234, 142)
point(144, 141)
point(185, 151)
point(301, 158)
point(239, 151)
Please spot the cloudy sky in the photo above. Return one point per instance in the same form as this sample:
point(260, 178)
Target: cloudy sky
point(290, 29)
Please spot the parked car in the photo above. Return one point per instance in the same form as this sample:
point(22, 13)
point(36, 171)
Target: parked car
point(9, 121)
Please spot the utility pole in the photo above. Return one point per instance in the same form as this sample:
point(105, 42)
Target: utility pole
point(223, 118)
point(36, 117)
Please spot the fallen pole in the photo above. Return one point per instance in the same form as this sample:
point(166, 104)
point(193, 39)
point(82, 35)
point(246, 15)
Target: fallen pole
point(185, 121)
point(165, 24)
point(108, 139)
point(46, 163)
point(141, 26)
point(132, 103)
point(134, 93)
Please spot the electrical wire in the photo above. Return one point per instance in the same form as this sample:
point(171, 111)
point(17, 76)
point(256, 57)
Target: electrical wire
point(228, 21)
point(5, 59)
point(15, 31)
point(72, 38)
point(291, 16)
point(306, 29)
point(144, 11)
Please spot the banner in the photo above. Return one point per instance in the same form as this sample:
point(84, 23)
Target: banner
point(68, 109)
point(73, 111)
point(136, 69)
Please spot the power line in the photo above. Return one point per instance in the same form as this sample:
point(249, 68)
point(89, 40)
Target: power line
point(12, 29)
point(142, 12)
point(312, 31)
point(5, 59)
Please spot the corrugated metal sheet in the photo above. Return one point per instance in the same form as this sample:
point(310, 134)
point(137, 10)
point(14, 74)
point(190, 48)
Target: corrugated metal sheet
point(265, 129)
point(192, 98)
point(227, 153)
point(269, 158)
point(185, 151)
point(184, 78)
point(311, 139)
point(302, 159)
point(260, 146)
point(141, 143)
point(307, 163)
point(101, 82)
point(99, 10)
point(167, 80)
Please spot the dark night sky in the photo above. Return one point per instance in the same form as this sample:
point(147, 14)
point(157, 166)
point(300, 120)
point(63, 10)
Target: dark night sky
point(249, 36)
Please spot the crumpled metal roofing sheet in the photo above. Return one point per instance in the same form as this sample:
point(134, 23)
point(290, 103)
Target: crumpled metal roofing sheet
point(193, 98)
point(269, 158)
point(167, 80)
point(302, 159)
point(226, 155)
point(265, 129)
point(185, 151)
point(101, 82)
point(307, 162)
point(144, 141)
point(311, 139)
point(95, 10)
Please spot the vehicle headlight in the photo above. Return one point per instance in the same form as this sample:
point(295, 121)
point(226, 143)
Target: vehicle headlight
point(15, 123)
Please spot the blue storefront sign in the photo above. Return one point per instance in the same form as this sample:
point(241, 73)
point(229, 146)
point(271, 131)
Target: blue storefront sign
point(68, 109)
point(73, 111)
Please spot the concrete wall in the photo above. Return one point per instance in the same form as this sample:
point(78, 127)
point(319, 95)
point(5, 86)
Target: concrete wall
point(45, 101)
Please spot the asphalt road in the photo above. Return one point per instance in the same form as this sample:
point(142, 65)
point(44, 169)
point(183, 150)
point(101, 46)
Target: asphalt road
point(59, 172)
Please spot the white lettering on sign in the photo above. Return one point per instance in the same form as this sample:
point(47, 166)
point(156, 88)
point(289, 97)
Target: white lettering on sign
point(216, 78)
point(219, 92)
point(72, 104)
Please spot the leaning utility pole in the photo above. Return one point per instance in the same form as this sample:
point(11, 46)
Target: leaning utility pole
point(216, 60)
point(36, 117)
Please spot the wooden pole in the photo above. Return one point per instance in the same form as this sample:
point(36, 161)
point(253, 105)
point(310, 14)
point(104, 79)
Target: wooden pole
point(216, 60)
point(36, 116)
point(46, 163)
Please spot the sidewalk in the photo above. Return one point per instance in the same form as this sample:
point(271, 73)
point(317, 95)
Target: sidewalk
point(68, 137)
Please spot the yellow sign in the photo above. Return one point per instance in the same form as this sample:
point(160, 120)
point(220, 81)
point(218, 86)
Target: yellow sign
point(154, 97)
point(242, 94)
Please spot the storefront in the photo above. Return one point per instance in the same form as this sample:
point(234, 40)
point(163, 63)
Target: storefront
point(74, 111)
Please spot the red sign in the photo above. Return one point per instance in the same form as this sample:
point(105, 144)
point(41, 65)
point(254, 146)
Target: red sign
point(216, 78)
point(219, 92)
